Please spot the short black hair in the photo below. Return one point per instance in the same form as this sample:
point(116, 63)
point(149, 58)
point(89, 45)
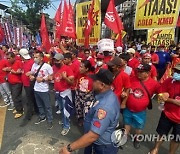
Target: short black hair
point(11, 54)
point(40, 53)
point(68, 55)
point(87, 64)
point(125, 56)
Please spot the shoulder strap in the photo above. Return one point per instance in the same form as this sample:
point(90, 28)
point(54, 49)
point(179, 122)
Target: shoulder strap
point(36, 74)
point(150, 102)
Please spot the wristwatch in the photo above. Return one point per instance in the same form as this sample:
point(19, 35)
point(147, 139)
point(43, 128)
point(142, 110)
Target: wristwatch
point(69, 148)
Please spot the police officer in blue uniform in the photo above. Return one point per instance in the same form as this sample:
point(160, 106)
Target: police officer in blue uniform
point(101, 120)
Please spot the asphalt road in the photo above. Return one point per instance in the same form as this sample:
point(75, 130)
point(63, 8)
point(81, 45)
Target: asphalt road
point(36, 139)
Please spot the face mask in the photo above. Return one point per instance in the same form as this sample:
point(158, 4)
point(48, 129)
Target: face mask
point(99, 63)
point(176, 76)
point(57, 64)
point(143, 51)
point(36, 60)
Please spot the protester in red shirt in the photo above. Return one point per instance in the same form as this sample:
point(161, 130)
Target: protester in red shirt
point(124, 60)
point(133, 62)
point(137, 55)
point(26, 68)
point(100, 63)
point(14, 79)
point(121, 83)
point(4, 86)
point(3, 52)
point(146, 59)
point(170, 116)
point(88, 56)
point(154, 56)
point(84, 94)
point(107, 56)
point(63, 80)
point(139, 99)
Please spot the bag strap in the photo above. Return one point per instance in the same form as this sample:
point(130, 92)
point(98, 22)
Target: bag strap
point(36, 74)
point(150, 102)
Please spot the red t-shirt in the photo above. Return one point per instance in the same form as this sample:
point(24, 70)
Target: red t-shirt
point(153, 71)
point(107, 59)
point(27, 65)
point(3, 63)
point(18, 57)
point(133, 63)
point(92, 61)
point(154, 57)
point(15, 78)
point(75, 68)
point(59, 83)
point(2, 54)
point(85, 83)
point(137, 55)
point(120, 82)
point(138, 99)
point(172, 111)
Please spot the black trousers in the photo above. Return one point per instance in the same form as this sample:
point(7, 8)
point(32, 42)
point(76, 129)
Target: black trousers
point(16, 92)
point(30, 102)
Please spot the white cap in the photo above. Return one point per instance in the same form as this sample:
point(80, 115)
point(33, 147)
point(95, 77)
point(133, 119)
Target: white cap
point(131, 50)
point(24, 53)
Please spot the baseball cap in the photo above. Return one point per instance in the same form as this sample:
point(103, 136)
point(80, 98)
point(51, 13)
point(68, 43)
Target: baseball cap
point(104, 76)
point(177, 66)
point(131, 50)
point(24, 53)
point(58, 56)
point(147, 55)
point(143, 68)
point(115, 61)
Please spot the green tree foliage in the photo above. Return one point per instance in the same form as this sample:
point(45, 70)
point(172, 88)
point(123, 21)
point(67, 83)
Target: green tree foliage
point(30, 14)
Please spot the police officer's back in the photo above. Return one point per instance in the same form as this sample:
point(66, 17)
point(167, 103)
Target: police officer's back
point(101, 120)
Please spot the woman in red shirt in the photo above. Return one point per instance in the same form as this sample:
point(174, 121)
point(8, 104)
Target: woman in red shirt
point(84, 94)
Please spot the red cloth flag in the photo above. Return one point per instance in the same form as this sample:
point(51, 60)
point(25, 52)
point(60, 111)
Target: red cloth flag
point(68, 25)
point(44, 34)
point(58, 20)
point(112, 19)
point(90, 23)
point(178, 22)
point(2, 35)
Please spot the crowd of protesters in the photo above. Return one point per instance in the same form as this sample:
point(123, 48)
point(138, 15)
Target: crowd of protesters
point(139, 71)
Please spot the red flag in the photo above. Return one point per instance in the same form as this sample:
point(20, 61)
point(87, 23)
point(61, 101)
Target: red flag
point(44, 34)
point(68, 26)
point(178, 22)
point(58, 20)
point(112, 19)
point(119, 40)
point(2, 35)
point(90, 23)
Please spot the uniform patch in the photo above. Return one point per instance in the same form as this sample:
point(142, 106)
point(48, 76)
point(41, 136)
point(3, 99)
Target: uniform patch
point(101, 114)
point(97, 124)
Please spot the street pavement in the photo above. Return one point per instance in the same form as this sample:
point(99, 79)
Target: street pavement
point(36, 139)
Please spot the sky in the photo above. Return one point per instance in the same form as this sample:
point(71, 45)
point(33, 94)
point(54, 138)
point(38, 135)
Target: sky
point(51, 11)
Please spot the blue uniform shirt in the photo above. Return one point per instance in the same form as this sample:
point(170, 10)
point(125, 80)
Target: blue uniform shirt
point(103, 117)
point(164, 58)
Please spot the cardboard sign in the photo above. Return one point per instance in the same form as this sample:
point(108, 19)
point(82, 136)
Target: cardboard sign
point(105, 45)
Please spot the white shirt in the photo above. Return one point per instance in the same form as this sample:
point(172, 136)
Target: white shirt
point(44, 72)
